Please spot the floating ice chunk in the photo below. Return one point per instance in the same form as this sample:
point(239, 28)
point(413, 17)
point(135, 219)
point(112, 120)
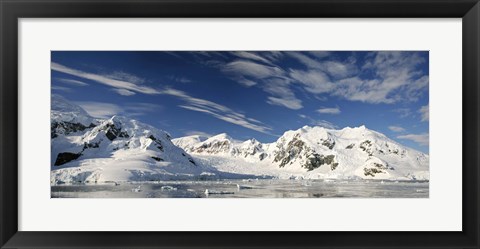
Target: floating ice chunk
point(168, 188)
point(243, 187)
point(213, 192)
point(207, 174)
point(137, 189)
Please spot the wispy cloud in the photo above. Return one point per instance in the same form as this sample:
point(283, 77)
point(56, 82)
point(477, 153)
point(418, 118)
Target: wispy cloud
point(395, 77)
point(321, 123)
point(396, 128)
point(123, 92)
point(198, 133)
point(325, 124)
point(329, 110)
point(72, 82)
point(314, 81)
point(116, 80)
point(281, 94)
point(425, 113)
point(273, 56)
point(106, 110)
point(290, 103)
point(244, 68)
point(333, 68)
point(217, 111)
point(272, 79)
point(379, 77)
point(421, 139)
point(251, 56)
point(100, 109)
point(319, 54)
point(120, 75)
point(140, 109)
point(61, 88)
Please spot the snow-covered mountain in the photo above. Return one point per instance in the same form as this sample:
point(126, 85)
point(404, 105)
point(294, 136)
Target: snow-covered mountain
point(116, 149)
point(313, 152)
point(86, 149)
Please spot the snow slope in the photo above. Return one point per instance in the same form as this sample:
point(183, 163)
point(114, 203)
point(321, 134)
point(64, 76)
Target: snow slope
point(85, 149)
point(314, 152)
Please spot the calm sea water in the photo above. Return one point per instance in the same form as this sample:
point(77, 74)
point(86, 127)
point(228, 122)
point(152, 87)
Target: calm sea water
point(246, 189)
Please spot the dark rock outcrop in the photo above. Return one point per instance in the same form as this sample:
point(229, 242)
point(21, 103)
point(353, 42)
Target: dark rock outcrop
point(65, 157)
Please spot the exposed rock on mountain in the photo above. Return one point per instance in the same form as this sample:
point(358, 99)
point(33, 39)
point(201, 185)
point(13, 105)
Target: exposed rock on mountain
point(317, 152)
point(116, 149)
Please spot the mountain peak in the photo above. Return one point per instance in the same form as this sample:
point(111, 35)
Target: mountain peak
point(319, 152)
point(60, 104)
point(221, 136)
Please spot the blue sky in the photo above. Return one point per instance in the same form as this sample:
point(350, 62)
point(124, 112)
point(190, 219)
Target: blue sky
point(247, 94)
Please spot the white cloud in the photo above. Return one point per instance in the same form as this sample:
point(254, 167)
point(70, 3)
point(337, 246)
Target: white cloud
point(319, 54)
point(396, 128)
point(198, 133)
point(246, 82)
point(251, 56)
point(314, 81)
point(325, 124)
point(425, 113)
point(391, 77)
point(291, 103)
point(218, 111)
point(305, 60)
point(395, 77)
point(415, 90)
point(117, 80)
point(356, 89)
point(272, 79)
point(140, 109)
point(233, 118)
point(338, 69)
point(100, 109)
point(281, 93)
point(124, 92)
point(119, 75)
point(107, 110)
point(251, 69)
point(61, 88)
point(421, 139)
point(331, 110)
point(273, 55)
point(314, 122)
point(398, 77)
point(73, 82)
point(335, 69)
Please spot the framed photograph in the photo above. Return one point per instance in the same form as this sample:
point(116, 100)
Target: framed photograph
point(311, 124)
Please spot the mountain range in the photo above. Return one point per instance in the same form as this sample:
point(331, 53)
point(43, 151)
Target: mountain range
point(86, 149)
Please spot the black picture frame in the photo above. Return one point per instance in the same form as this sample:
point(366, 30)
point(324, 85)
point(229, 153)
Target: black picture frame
point(11, 11)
